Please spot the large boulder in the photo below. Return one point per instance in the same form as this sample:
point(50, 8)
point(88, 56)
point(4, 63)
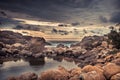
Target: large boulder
point(75, 72)
point(115, 77)
point(60, 74)
point(111, 69)
point(36, 45)
point(90, 68)
point(93, 75)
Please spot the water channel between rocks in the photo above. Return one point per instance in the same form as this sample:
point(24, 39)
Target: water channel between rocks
point(18, 66)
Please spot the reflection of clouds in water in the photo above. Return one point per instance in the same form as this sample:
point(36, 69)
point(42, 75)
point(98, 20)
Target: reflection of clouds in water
point(11, 64)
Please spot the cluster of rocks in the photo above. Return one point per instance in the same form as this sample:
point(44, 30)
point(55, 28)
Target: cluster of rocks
point(15, 45)
point(110, 71)
point(98, 59)
point(91, 50)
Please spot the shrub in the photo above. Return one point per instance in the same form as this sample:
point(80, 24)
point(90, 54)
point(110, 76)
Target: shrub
point(114, 35)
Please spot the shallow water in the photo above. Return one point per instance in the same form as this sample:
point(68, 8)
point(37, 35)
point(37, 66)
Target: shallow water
point(15, 68)
point(65, 43)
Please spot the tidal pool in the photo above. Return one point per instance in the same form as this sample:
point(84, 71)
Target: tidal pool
point(16, 67)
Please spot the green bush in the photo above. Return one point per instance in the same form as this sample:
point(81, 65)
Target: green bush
point(114, 35)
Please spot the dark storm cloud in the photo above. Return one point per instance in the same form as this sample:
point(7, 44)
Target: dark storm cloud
point(117, 4)
point(115, 17)
point(70, 3)
point(63, 10)
point(46, 9)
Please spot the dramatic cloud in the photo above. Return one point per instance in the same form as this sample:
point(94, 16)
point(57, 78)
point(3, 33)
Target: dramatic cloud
point(115, 17)
point(65, 10)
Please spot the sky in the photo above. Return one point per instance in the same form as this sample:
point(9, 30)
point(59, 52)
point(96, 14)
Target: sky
point(87, 12)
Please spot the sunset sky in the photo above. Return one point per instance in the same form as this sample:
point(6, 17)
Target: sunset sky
point(48, 14)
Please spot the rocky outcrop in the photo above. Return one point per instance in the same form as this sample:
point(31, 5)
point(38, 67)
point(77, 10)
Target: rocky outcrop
point(90, 42)
point(16, 45)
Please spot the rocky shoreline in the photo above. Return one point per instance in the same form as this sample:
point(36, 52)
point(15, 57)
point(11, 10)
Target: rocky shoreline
point(110, 71)
point(96, 57)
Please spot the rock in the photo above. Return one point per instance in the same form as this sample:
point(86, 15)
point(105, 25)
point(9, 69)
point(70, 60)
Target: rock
point(60, 51)
point(111, 69)
point(28, 76)
point(118, 55)
point(39, 55)
point(36, 45)
point(17, 40)
point(116, 61)
point(60, 74)
point(2, 45)
point(3, 53)
point(75, 72)
point(110, 46)
point(26, 53)
point(109, 58)
point(104, 44)
point(115, 77)
point(90, 42)
point(11, 78)
point(60, 46)
point(9, 37)
point(93, 75)
point(90, 68)
point(74, 78)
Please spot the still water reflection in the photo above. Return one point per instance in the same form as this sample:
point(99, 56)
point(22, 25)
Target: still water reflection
point(14, 68)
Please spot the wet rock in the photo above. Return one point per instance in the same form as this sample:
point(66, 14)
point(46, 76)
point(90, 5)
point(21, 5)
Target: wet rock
point(115, 77)
point(111, 69)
